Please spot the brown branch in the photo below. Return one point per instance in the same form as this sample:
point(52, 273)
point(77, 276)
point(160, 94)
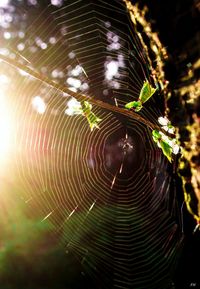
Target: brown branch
point(81, 97)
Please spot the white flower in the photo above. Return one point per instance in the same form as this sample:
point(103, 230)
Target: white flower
point(165, 127)
point(163, 121)
point(171, 130)
point(164, 137)
point(175, 149)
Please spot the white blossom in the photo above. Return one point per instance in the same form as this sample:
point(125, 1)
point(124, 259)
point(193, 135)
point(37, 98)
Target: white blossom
point(175, 149)
point(163, 120)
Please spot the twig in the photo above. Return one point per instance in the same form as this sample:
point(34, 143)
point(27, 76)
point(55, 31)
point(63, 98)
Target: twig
point(81, 97)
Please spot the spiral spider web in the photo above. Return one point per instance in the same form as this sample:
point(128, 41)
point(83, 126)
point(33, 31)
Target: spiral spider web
point(107, 192)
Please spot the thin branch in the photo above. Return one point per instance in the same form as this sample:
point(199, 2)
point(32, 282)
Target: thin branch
point(81, 97)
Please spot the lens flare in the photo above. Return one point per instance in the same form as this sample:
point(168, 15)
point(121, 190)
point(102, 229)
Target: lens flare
point(5, 128)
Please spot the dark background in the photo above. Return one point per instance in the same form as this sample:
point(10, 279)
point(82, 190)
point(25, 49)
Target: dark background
point(178, 25)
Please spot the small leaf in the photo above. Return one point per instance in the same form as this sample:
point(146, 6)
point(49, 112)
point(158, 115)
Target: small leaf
point(138, 108)
point(92, 119)
point(134, 104)
point(156, 134)
point(146, 92)
point(86, 107)
point(130, 105)
point(155, 139)
point(167, 150)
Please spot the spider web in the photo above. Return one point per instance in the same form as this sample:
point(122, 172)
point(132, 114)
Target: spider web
point(109, 192)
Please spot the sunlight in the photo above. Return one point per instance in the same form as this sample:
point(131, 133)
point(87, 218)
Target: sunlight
point(5, 128)
point(39, 104)
point(4, 3)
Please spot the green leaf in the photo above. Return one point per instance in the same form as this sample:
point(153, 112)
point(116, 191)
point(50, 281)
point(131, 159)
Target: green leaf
point(146, 92)
point(87, 107)
point(156, 134)
point(92, 119)
point(155, 139)
point(167, 150)
point(138, 108)
point(134, 104)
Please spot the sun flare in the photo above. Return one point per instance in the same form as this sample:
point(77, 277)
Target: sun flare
point(5, 128)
